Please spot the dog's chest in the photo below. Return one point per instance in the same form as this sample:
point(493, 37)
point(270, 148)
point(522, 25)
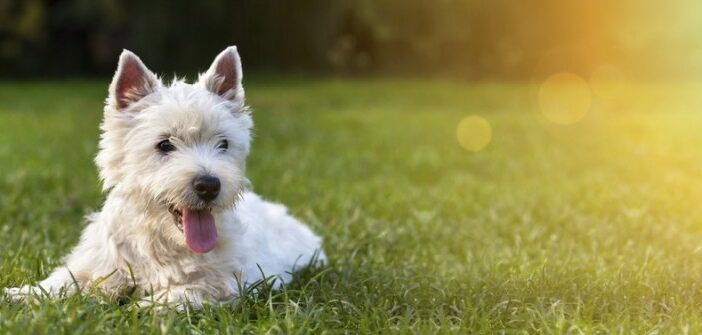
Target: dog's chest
point(160, 268)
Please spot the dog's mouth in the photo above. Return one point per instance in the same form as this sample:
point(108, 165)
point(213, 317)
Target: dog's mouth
point(177, 217)
point(198, 226)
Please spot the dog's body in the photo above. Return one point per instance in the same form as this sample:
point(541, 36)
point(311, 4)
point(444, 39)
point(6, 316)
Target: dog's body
point(178, 223)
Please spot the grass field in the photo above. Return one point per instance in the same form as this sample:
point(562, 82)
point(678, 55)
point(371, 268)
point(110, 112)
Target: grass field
point(594, 227)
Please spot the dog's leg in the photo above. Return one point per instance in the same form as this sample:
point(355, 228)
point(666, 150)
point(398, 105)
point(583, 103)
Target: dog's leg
point(60, 283)
point(89, 261)
point(180, 297)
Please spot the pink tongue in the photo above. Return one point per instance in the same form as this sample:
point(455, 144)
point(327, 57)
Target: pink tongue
point(200, 230)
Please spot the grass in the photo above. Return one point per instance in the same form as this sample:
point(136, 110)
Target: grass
point(594, 227)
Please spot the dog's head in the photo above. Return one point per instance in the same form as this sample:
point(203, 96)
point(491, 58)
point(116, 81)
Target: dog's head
point(178, 148)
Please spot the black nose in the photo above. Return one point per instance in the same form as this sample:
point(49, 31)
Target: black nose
point(206, 187)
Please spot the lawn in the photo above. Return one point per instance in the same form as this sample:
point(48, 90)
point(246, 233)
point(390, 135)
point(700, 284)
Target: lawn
point(593, 227)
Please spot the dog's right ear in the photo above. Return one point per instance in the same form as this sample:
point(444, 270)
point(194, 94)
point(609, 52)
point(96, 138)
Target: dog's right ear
point(131, 82)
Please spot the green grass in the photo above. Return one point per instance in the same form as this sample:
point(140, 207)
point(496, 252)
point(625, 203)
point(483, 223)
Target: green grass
point(594, 227)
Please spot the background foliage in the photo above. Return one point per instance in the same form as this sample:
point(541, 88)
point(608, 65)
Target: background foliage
point(474, 39)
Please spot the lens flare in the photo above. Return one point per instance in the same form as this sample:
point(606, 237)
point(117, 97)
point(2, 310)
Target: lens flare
point(474, 133)
point(608, 83)
point(565, 98)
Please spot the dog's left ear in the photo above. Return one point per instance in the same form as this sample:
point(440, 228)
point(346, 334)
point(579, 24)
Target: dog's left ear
point(224, 76)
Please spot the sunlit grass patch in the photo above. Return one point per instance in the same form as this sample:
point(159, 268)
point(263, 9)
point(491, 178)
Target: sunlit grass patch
point(593, 226)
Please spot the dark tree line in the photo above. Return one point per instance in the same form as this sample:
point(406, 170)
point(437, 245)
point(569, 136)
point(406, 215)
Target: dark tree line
point(475, 39)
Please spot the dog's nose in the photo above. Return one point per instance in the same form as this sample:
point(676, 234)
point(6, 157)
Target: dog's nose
point(206, 187)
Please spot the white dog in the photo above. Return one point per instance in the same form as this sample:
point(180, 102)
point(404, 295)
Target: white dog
point(178, 223)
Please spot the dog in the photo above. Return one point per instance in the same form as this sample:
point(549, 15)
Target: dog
point(179, 226)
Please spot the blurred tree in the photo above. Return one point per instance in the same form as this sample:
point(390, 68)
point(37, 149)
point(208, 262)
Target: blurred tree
point(477, 39)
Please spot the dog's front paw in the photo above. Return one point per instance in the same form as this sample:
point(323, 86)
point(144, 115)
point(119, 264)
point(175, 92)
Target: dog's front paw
point(24, 293)
point(159, 305)
point(145, 304)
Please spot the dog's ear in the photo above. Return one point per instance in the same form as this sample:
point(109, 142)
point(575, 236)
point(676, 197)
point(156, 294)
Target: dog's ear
point(224, 76)
point(131, 82)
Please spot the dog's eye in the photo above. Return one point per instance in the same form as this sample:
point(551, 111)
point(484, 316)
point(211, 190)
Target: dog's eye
point(165, 146)
point(223, 145)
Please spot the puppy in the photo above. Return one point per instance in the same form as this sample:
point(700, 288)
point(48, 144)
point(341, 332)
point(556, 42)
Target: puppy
point(179, 226)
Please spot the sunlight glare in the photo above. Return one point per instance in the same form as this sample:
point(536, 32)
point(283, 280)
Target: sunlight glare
point(565, 98)
point(474, 133)
point(608, 83)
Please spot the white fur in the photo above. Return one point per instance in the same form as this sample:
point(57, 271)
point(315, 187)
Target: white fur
point(133, 242)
